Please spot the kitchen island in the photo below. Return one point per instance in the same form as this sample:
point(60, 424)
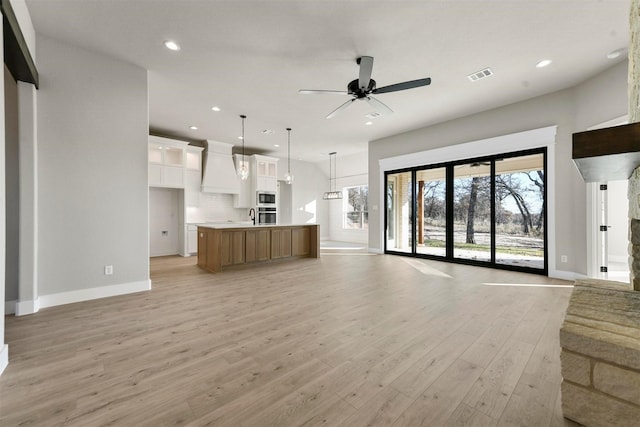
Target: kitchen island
point(222, 246)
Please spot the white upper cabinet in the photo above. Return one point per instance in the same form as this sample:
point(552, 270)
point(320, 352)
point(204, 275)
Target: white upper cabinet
point(169, 159)
point(266, 173)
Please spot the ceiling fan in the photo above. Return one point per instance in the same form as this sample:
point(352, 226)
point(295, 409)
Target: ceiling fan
point(364, 86)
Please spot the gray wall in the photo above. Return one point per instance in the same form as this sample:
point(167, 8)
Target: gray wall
point(92, 182)
point(12, 188)
point(596, 100)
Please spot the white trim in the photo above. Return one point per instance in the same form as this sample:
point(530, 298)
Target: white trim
point(27, 307)
point(535, 138)
point(4, 357)
point(10, 307)
point(94, 293)
point(375, 251)
point(618, 258)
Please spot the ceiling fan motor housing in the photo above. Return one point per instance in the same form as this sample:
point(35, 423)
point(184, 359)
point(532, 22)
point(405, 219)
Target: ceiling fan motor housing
point(354, 89)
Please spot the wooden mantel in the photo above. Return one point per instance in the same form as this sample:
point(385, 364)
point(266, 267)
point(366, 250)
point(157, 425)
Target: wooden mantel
point(607, 154)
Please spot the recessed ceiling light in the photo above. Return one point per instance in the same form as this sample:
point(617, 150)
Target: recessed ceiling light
point(615, 53)
point(369, 123)
point(193, 127)
point(171, 45)
point(240, 137)
point(216, 109)
point(543, 63)
point(276, 145)
point(267, 131)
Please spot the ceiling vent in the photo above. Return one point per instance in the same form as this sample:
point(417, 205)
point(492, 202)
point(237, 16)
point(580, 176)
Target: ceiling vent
point(373, 115)
point(480, 74)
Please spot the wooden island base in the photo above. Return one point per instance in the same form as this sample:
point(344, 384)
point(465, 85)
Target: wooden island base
point(223, 247)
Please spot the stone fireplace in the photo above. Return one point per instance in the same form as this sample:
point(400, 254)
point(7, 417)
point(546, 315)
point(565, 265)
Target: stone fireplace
point(600, 336)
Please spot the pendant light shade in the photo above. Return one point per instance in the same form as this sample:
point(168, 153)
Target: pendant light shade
point(332, 194)
point(288, 177)
point(243, 171)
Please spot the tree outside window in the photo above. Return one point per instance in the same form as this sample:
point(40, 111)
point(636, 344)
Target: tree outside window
point(355, 207)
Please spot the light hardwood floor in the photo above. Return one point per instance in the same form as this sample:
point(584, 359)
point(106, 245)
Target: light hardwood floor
point(350, 339)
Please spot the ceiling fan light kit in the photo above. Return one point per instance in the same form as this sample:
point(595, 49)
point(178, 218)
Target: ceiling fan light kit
point(364, 86)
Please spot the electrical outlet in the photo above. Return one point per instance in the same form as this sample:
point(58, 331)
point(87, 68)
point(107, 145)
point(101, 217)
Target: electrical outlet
point(563, 258)
point(108, 270)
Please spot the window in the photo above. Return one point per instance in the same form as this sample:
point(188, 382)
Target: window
point(354, 208)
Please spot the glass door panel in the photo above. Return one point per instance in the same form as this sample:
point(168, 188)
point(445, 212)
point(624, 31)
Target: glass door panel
point(431, 211)
point(520, 211)
point(399, 225)
point(472, 211)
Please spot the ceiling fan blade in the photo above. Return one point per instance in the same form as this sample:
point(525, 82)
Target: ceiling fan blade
point(402, 86)
point(340, 108)
point(380, 107)
point(366, 65)
point(322, 92)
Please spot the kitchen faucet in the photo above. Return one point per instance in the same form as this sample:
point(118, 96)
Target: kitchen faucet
point(253, 217)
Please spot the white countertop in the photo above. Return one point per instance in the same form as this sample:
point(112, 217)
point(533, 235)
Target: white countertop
point(224, 225)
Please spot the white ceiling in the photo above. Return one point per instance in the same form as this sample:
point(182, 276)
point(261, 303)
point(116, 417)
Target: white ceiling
point(251, 57)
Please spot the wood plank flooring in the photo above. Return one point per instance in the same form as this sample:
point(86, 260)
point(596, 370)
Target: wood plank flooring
point(350, 339)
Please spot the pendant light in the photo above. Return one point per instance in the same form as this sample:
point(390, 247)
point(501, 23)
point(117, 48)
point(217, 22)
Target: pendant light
point(288, 177)
point(332, 194)
point(243, 172)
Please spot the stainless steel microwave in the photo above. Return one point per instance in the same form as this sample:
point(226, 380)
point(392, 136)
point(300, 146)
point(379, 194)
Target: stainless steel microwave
point(265, 198)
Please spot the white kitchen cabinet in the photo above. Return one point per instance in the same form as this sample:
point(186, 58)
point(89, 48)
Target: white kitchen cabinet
point(192, 239)
point(265, 173)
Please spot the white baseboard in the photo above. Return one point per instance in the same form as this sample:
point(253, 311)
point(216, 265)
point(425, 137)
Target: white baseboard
point(375, 250)
point(4, 357)
point(10, 307)
point(565, 275)
point(27, 307)
point(93, 293)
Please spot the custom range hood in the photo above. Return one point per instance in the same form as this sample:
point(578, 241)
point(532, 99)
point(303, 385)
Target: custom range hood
point(219, 174)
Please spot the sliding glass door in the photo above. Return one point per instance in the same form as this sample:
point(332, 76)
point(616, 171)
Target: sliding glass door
point(472, 211)
point(431, 211)
point(520, 197)
point(485, 211)
point(399, 205)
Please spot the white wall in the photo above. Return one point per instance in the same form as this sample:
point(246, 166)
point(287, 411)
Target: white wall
point(602, 97)
point(92, 174)
point(350, 171)
point(308, 185)
point(216, 208)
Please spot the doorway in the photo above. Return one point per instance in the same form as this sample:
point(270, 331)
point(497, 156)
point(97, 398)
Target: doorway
point(165, 221)
point(609, 226)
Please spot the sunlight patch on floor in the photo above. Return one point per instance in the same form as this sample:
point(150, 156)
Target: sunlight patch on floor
point(532, 285)
point(424, 269)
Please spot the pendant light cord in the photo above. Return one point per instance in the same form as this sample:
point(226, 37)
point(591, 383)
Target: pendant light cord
point(242, 116)
point(289, 151)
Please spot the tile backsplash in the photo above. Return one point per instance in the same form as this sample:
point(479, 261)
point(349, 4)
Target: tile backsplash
point(215, 208)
